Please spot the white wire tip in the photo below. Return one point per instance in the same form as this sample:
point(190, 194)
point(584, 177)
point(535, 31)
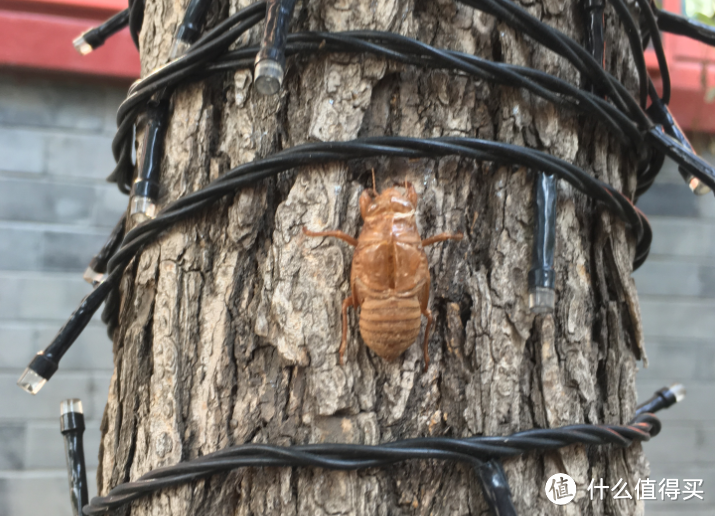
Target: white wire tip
point(269, 77)
point(71, 405)
point(91, 276)
point(81, 45)
point(542, 300)
point(698, 187)
point(678, 390)
point(141, 209)
point(31, 382)
point(178, 49)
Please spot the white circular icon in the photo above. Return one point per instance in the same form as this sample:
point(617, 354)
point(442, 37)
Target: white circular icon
point(560, 489)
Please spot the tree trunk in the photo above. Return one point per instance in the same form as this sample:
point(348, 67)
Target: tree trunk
point(230, 324)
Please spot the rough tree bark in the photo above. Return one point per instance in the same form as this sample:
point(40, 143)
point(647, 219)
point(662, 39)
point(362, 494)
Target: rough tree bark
point(230, 324)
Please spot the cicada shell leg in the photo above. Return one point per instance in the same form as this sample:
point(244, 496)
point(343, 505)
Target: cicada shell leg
point(424, 302)
point(441, 238)
point(344, 343)
point(337, 234)
point(425, 345)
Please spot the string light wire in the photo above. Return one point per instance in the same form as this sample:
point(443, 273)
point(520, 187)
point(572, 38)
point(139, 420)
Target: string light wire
point(475, 451)
point(46, 362)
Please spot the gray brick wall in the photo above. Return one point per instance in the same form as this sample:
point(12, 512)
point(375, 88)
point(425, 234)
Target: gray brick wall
point(56, 210)
point(677, 293)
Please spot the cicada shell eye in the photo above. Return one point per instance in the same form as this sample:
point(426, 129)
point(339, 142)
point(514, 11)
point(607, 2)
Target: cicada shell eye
point(411, 193)
point(365, 201)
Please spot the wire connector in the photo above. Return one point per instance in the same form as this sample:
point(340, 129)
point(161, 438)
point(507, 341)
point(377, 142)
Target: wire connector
point(660, 114)
point(91, 276)
point(46, 362)
point(72, 427)
point(179, 48)
point(69, 406)
point(271, 60)
point(141, 208)
point(663, 398)
point(93, 38)
point(31, 381)
point(542, 277)
point(190, 28)
point(145, 191)
point(269, 76)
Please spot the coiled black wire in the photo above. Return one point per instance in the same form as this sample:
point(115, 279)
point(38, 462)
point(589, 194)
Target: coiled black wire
point(388, 45)
point(391, 46)
point(313, 153)
point(471, 450)
point(625, 113)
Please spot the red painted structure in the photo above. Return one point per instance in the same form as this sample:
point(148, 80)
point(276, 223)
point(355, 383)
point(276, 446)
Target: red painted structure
point(38, 34)
point(692, 75)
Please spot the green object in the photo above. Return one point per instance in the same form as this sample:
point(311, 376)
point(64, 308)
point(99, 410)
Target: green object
point(701, 10)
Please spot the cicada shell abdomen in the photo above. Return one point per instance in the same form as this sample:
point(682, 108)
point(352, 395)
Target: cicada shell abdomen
point(389, 326)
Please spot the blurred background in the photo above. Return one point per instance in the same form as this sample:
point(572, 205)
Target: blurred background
point(57, 119)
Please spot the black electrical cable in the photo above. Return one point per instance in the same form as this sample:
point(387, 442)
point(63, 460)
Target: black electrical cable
point(684, 157)
point(674, 24)
point(253, 9)
point(246, 18)
point(179, 71)
point(136, 19)
point(662, 399)
point(215, 43)
point(189, 29)
point(473, 450)
point(271, 58)
point(98, 265)
point(634, 40)
point(95, 37)
point(72, 429)
point(212, 44)
point(209, 54)
point(182, 75)
point(655, 137)
point(395, 47)
point(568, 48)
point(652, 27)
point(46, 362)
point(122, 147)
point(558, 42)
point(199, 62)
point(660, 114)
point(495, 488)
